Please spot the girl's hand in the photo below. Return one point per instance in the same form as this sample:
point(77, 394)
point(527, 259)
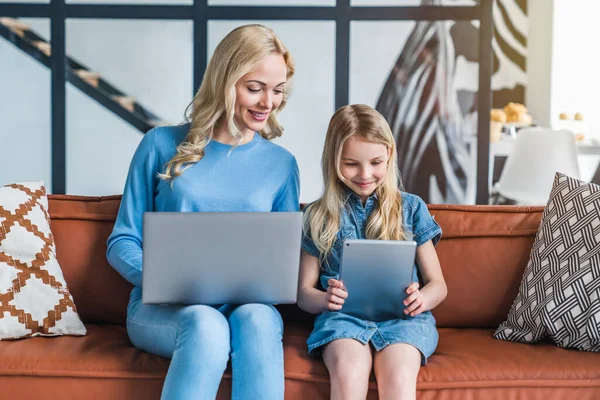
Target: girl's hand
point(414, 302)
point(335, 296)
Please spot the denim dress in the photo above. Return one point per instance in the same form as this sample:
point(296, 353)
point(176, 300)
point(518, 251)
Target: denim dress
point(419, 331)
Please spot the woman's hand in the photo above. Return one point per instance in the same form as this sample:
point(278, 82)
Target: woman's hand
point(415, 303)
point(335, 296)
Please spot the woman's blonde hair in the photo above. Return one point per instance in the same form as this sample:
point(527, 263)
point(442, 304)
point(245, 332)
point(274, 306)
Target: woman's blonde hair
point(322, 218)
point(237, 54)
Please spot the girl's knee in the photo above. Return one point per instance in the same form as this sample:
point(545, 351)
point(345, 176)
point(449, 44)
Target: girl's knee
point(350, 374)
point(346, 368)
point(401, 375)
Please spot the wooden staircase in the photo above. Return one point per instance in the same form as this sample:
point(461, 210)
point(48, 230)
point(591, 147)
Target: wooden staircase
point(88, 81)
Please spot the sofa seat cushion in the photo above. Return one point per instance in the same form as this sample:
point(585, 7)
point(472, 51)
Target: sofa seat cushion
point(104, 364)
point(105, 352)
point(471, 358)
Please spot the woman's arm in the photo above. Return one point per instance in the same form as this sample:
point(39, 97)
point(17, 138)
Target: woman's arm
point(311, 299)
point(124, 251)
point(434, 290)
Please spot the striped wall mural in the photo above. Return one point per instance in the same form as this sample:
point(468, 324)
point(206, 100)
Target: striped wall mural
point(430, 97)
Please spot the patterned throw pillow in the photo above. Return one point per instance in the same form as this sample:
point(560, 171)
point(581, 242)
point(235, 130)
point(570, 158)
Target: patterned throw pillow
point(559, 292)
point(34, 299)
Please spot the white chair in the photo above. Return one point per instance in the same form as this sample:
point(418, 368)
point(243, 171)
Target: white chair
point(530, 168)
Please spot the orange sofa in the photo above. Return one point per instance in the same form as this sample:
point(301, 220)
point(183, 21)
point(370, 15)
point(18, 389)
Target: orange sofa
point(483, 254)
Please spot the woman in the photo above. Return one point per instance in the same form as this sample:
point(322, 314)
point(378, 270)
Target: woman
point(222, 160)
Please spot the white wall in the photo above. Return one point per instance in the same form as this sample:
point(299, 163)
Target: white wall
point(562, 62)
point(367, 79)
point(151, 60)
point(562, 67)
point(99, 147)
point(539, 60)
point(575, 82)
point(25, 147)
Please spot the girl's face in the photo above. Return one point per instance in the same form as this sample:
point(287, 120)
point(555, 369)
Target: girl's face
point(363, 165)
point(258, 93)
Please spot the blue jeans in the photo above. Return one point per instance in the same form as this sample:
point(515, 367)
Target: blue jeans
point(199, 341)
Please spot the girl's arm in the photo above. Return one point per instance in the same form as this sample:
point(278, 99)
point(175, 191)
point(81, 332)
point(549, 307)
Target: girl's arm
point(434, 290)
point(311, 299)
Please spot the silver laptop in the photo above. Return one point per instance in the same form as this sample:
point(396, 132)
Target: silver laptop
point(376, 274)
point(219, 258)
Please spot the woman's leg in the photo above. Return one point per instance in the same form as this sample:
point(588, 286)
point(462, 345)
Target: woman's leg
point(256, 352)
point(396, 370)
point(196, 338)
point(349, 363)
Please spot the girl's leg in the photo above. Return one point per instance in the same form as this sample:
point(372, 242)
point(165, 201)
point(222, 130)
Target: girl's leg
point(196, 338)
point(396, 369)
point(256, 352)
point(349, 363)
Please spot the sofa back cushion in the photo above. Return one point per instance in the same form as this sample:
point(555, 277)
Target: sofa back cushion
point(80, 226)
point(483, 252)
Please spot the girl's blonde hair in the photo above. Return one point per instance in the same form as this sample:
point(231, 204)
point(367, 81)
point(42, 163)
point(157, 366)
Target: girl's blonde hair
point(237, 54)
point(322, 218)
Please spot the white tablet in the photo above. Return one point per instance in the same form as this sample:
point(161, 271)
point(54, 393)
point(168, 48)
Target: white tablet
point(376, 274)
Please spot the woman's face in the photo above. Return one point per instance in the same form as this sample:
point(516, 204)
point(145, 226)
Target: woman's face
point(259, 92)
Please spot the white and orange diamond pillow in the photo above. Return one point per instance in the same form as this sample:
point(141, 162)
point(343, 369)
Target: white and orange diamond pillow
point(34, 299)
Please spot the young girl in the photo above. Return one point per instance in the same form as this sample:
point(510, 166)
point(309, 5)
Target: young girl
point(362, 200)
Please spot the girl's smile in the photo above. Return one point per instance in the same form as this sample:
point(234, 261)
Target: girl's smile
point(363, 165)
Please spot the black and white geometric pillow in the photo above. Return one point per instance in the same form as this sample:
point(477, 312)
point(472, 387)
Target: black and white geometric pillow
point(559, 294)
